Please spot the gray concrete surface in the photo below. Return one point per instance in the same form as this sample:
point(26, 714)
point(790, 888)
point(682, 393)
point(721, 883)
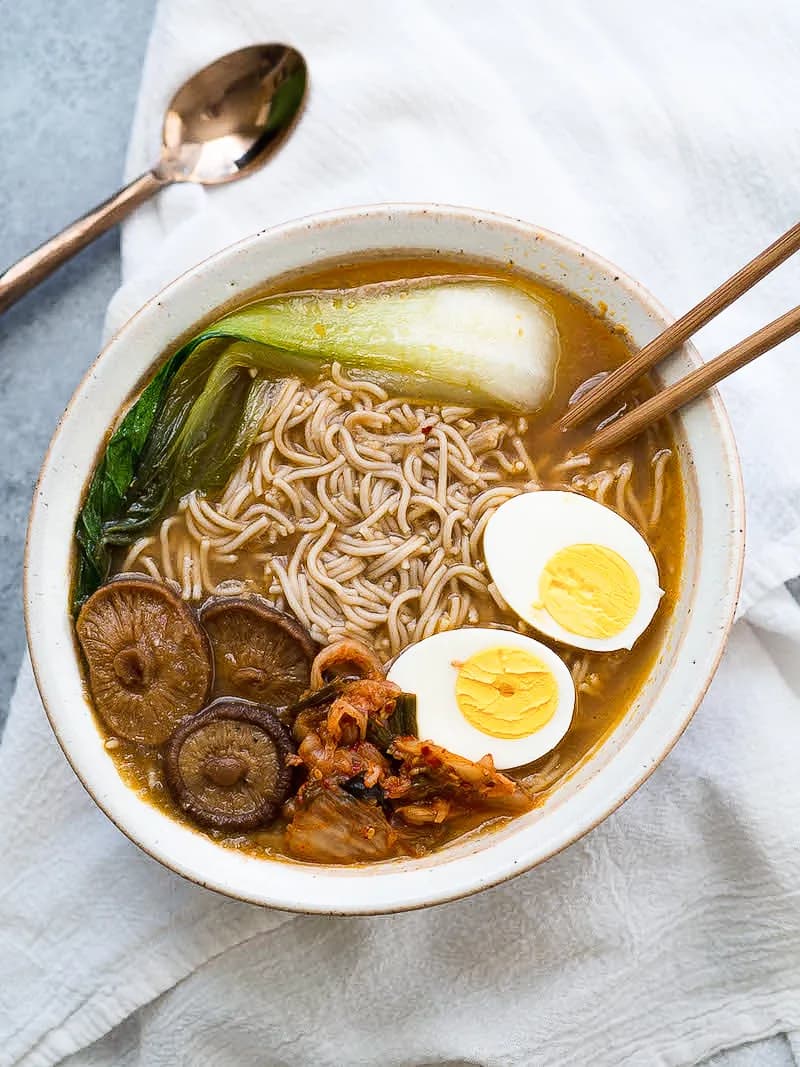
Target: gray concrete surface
point(69, 74)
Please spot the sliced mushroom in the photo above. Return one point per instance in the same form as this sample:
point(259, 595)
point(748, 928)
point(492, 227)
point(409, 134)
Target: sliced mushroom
point(260, 653)
point(149, 661)
point(227, 766)
point(349, 658)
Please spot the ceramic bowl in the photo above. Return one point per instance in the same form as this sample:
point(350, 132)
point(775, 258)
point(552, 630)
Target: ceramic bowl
point(693, 644)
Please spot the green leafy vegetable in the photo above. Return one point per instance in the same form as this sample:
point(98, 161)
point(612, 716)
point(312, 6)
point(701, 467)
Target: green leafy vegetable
point(188, 430)
point(112, 479)
point(403, 720)
point(209, 418)
point(326, 695)
point(468, 340)
point(401, 723)
point(379, 734)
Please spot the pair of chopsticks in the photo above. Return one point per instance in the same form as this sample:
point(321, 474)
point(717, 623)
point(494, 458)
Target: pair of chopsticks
point(697, 381)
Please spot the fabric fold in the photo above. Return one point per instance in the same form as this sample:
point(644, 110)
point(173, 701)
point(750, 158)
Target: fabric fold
point(90, 928)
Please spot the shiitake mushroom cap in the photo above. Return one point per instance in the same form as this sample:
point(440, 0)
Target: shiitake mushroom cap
point(260, 653)
point(227, 765)
point(149, 660)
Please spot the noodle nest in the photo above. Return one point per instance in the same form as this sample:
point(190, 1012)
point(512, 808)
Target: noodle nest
point(363, 514)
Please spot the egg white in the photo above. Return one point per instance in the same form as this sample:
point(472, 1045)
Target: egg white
point(427, 670)
point(526, 532)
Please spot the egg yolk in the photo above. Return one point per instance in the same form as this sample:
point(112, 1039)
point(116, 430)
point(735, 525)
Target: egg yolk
point(589, 590)
point(506, 692)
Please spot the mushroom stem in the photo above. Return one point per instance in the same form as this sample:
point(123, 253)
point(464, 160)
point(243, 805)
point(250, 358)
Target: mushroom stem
point(224, 770)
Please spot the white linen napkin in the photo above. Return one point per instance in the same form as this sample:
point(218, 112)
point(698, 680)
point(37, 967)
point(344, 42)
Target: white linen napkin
point(665, 139)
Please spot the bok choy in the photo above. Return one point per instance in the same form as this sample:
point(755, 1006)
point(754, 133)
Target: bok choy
point(472, 341)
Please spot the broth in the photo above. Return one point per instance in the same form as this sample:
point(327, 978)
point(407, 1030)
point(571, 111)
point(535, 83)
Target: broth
point(642, 481)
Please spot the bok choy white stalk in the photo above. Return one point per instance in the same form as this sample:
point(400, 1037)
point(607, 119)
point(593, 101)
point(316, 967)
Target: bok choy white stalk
point(469, 340)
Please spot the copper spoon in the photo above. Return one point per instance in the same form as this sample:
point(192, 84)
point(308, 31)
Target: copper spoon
point(222, 123)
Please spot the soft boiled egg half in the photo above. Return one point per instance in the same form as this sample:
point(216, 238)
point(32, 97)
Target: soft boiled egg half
point(488, 691)
point(572, 568)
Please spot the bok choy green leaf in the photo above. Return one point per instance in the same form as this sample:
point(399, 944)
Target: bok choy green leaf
point(189, 428)
point(209, 419)
point(112, 478)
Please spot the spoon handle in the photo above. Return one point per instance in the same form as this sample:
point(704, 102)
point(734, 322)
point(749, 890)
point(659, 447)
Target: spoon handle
point(35, 267)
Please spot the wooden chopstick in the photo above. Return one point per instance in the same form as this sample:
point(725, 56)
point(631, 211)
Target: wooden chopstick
point(695, 382)
point(684, 327)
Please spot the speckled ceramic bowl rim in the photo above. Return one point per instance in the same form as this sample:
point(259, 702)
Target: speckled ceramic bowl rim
point(404, 885)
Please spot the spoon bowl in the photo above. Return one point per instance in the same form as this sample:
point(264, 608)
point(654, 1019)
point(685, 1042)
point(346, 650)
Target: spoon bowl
point(229, 117)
